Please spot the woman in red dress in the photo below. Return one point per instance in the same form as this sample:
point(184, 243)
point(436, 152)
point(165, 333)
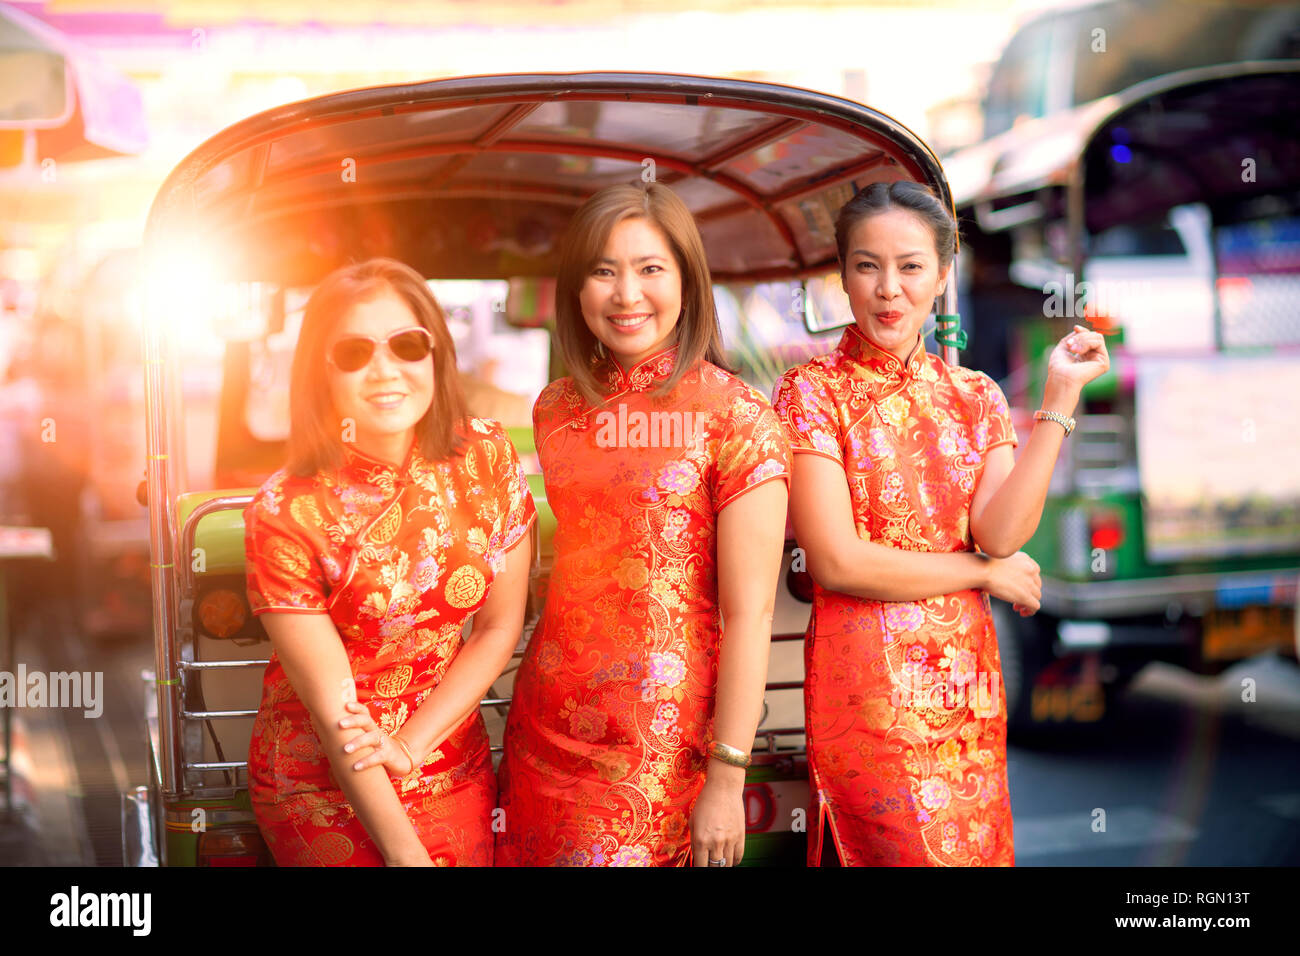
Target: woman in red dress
point(634, 711)
point(397, 517)
point(903, 467)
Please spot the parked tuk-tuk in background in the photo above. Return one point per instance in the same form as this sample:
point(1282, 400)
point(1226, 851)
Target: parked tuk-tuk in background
point(113, 551)
point(1169, 215)
point(471, 181)
point(84, 451)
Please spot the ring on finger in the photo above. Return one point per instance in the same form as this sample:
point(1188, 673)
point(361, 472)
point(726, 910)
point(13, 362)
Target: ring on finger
point(713, 862)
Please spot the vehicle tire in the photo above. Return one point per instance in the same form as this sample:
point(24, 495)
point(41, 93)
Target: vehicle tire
point(1024, 651)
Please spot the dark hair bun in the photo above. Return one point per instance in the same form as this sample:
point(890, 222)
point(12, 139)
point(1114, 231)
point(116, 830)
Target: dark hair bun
point(915, 198)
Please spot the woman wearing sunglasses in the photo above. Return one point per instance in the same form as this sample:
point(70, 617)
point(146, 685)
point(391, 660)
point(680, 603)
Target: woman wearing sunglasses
point(634, 709)
point(396, 518)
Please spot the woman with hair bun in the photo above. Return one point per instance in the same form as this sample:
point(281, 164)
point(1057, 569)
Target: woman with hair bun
point(635, 708)
point(911, 507)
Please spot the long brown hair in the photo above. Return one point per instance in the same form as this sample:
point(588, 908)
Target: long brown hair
point(315, 439)
point(698, 335)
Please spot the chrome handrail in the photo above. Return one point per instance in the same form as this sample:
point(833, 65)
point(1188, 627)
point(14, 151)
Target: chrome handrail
point(159, 482)
point(190, 531)
point(223, 765)
point(218, 665)
point(186, 589)
point(784, 685)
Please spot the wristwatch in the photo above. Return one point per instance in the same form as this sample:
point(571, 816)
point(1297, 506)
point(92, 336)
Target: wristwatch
point(1062, 420)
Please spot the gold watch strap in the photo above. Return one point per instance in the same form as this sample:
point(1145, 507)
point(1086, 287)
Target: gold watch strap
point(1064, 421)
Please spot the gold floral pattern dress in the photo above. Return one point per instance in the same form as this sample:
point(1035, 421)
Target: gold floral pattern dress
point(613, 705)
point(906, 717)
point(398, 558)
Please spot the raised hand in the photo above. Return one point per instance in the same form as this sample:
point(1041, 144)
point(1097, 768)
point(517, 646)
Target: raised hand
point(1077, 359)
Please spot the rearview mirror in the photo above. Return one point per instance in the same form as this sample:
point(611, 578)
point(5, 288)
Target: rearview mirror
point(530, 302)
point(826, 307)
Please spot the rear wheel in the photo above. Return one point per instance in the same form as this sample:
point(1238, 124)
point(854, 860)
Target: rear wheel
point(1025, 650)
point(1047, 696)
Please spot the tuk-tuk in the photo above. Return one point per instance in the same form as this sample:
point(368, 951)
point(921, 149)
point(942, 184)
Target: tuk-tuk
point(471, 181)
point(1169, 215)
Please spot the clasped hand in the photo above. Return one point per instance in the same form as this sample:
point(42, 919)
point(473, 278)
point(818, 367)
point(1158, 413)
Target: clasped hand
point(384, 751)
point(1017, 580)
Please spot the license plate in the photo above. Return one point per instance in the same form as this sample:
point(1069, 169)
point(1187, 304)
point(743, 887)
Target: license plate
point(1233, 633)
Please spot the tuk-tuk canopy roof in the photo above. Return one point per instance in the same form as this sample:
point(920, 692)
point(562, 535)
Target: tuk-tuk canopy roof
point(1221, 135)
point(477, 177)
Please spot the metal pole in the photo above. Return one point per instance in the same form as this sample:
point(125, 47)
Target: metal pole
point(162, 523)
point(7, 636)
point(949, 352)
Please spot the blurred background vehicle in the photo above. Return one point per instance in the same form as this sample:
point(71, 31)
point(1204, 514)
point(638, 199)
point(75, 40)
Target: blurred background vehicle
point(85, 356)
point(1064, 58)
point(1168, 214)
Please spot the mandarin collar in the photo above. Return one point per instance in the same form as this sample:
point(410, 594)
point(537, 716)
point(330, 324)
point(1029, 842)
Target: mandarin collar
point(360, 466)
point(640, 376)
point(857, 346)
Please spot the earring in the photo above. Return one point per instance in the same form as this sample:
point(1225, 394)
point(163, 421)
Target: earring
point(600, 349)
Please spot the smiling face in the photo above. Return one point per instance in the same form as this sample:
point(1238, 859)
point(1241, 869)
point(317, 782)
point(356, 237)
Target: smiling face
point(387, 397)
point(892, 277)
point(632, 297)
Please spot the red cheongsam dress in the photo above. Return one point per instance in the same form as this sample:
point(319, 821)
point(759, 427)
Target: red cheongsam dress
point(907, 742)
point(613, 706)
point(398, 558)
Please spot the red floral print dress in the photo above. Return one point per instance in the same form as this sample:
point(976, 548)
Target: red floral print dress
point(398, 558)
point(613, 704)
point(906, 716)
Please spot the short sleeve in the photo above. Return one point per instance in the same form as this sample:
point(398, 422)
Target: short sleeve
point(284, 570)
point(753, 449)
point(807, 415)
point(514, 499)
point(997, 415)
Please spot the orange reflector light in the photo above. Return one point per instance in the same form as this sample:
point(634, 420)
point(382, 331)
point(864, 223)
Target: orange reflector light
point(1235, 292)
point(234, 846)
point(222, 613)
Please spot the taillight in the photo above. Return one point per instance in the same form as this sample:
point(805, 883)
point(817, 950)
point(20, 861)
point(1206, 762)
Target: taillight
point(1235, 293)
point(221, 613)
point(1088, 538)
point(232, 846)
point(1107, 531)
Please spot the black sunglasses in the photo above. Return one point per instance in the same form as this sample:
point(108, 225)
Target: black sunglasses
point(354, 352)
